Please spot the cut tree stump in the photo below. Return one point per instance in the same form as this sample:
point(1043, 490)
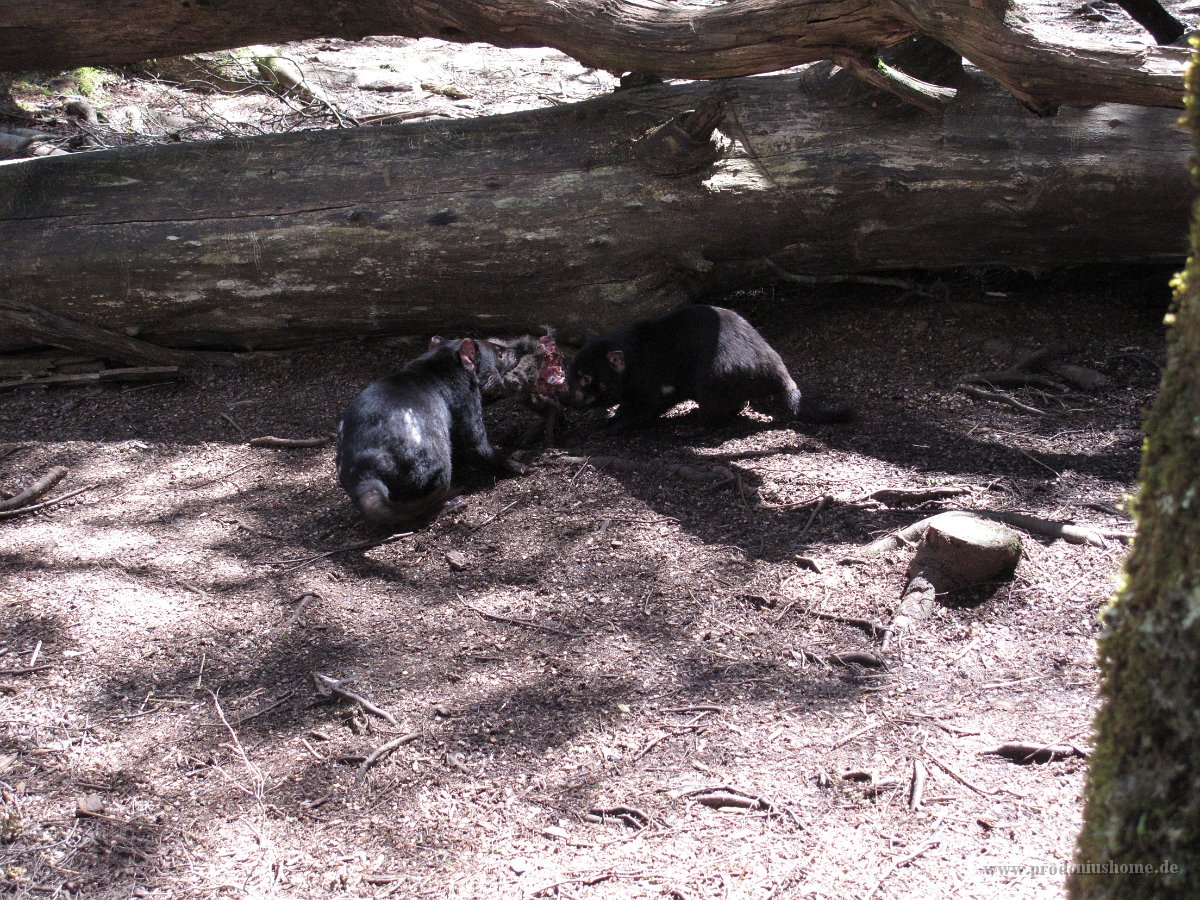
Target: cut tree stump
point(956, 551)
point(556, 216)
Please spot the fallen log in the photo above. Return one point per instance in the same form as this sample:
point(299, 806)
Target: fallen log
point(1028, 45)
point(557, 216)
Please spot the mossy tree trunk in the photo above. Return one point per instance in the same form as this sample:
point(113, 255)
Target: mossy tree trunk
point(1141, 833)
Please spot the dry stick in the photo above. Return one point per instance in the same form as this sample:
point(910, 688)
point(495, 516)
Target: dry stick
point(900, 863)
point(326, 685)
point(12, 513)
point(28, 670)
point(917, 792)
point(256, 775)
point(299, 610)
point(491, 519)
point(383, 751)
point(1012, 379)
point(127, 374)
point(964, 782)
point(35, 490)
point(824, 502)
point(288, 443)
point(869, 627)
point(854, 735)
point(588, 880)
point(1000, 398)
point(521, 623)
point(359, 545)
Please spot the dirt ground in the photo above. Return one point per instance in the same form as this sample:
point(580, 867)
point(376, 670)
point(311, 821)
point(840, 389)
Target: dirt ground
point(596, 683)
point(611, 641)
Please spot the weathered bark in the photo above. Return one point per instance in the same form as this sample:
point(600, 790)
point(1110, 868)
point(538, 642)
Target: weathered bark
point(561, 217)
point(1141, 831)
point(1023, 45)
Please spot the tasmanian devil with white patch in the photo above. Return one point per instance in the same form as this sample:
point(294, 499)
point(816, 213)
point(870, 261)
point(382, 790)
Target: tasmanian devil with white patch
point(702, 353)
point(406, 440)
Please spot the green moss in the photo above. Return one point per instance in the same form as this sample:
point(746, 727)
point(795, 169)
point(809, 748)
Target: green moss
point(91, 81)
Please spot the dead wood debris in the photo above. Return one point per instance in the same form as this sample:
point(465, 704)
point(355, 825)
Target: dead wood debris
point(872, 629)
point(716, 475)
point(852, 659)
point(133, 373)
point(12, 513)
point(900, 863)
point(327, 686)
point(293, 564)
point(289, 443)
point(994, 397)
point(913, 496)
point(520, 623)
point(35, 490)
point(916, 793)
point(1024, 752)
point(728, 799)
point(383, 750)
point(624, 815)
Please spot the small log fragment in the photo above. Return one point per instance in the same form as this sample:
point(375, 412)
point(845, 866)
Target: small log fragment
point(35, 490)
point(280, 443)
point(1024, 753)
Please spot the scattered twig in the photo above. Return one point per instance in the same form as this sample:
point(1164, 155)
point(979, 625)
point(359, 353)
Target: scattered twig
point(301, 603)
point(961, 780)
point(288, 443)
point(256, 775)
point(824, 502)
point(855, 735)
point(897, 864)
point(1012, 378)
point(981, 394)
point(626, 815)
point(326, 686)
point(383, 751)
point(293, 564)
point(520, 623)
point(28, 670)
point(703, 708)
point(492, 518)
point(13, 513)
point(718, 474)
point(35, 490)
point(588, 880)
point(266, 709)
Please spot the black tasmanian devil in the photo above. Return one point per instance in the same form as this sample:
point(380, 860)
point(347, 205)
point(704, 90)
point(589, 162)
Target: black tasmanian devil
point(404, 441)
point(702, 353)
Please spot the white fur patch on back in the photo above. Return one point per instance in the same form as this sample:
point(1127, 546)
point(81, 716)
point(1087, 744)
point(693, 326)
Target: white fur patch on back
point(412, 427)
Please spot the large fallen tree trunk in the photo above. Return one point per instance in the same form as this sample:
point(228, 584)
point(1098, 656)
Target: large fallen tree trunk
point(1029, 46)
point(578, 216)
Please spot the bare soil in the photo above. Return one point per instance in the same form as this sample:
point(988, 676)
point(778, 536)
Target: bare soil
point(582, 659)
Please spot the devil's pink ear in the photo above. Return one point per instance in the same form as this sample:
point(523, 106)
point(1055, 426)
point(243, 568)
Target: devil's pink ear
point(616, 359)
point(467, 352)
point(434, 342)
